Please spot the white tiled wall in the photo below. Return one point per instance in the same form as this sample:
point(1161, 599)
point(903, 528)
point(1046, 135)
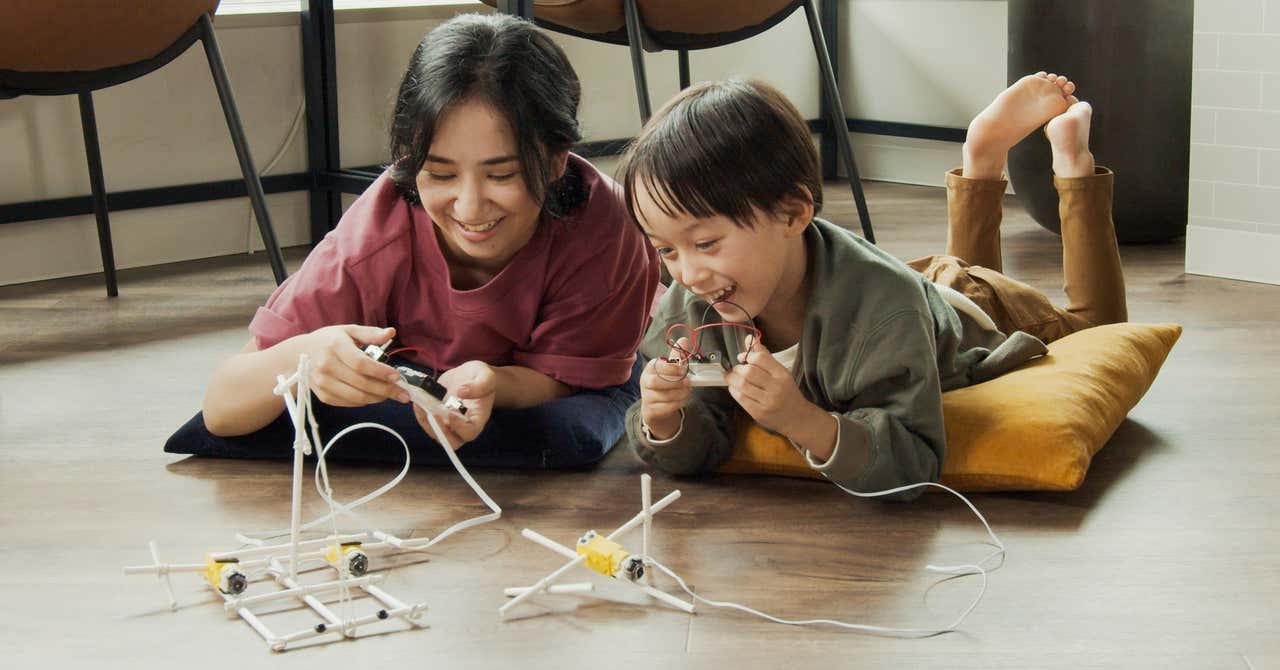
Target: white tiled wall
point(1234, 198)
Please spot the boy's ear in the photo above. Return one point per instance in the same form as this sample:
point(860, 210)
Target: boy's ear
point(797, 214)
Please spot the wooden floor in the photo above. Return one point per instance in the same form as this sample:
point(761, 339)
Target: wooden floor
point(1166, 557)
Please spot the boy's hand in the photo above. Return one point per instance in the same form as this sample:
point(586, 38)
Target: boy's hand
point(661, 399)
point(474, 383)
point(342, 375)
point(767, 391)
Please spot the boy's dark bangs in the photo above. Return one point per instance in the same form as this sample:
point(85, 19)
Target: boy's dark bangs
point(682, 178)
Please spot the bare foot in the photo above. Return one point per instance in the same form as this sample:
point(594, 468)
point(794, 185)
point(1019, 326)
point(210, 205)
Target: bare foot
point(1068, 135)
point(1017, 112)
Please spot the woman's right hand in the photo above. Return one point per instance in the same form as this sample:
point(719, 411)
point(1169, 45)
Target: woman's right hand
point(664, 390)
point(342, 375)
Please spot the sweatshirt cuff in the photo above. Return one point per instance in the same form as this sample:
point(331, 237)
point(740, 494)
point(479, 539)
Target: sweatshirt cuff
point(648, 437)
point(853, 453)
point(808, 456)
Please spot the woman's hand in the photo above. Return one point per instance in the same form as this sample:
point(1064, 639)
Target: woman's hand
point(474, 383)
point(342, 375)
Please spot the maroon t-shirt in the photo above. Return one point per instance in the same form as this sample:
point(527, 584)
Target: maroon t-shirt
point(572, 304)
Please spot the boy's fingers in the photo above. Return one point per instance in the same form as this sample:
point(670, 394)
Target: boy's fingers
point(661, 374)
point(680, 351)
point(745, 395)
point(680, 396)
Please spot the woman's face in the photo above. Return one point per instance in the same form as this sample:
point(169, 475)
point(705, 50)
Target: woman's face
point(472, 187)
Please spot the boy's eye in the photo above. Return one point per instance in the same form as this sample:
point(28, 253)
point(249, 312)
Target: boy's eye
point(502, 177)
point(705, 246)
point(435, 176)
point(664, 251)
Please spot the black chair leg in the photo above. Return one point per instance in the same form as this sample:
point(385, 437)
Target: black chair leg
point(251, 181)
point(89, 123)
point(684, 69)
point(635, 39)
point(836, 118)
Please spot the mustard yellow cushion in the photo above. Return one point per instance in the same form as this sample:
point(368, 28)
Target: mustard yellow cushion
point(1033, 429)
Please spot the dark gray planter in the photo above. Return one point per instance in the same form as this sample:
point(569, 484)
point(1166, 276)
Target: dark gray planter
point(1132, 60)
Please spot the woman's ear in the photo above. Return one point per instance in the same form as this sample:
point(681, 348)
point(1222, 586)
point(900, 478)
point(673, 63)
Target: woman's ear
point(561, 163)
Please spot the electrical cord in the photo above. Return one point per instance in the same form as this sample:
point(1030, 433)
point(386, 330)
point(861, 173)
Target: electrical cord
point(959, 570)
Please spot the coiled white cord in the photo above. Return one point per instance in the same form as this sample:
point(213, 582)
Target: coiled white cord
point(303, 419)
point(959, 570)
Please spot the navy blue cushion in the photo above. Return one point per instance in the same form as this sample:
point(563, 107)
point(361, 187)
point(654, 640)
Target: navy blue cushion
point(564, 433)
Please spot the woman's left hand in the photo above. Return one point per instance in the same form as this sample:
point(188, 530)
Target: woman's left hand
point(474, 383)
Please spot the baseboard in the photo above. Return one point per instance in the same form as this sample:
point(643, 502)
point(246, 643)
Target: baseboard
point(1233, 254)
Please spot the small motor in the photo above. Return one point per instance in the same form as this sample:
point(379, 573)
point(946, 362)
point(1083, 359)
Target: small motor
point(226, 576)
point(357, 561)
point(609, 558)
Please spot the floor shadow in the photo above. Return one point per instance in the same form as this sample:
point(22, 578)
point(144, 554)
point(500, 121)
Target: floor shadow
point(47, 319)
point(1111, 466)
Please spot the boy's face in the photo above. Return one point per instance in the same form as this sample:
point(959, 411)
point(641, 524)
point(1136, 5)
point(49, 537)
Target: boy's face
point(719, 260)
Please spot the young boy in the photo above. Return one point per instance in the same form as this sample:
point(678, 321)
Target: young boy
point(725, 183)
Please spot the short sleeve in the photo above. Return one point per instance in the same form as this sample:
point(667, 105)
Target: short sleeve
point(347, 277)
point(322, 293)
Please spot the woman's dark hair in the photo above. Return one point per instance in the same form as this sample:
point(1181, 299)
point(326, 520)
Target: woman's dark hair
point(515, 68)
point(724, 148)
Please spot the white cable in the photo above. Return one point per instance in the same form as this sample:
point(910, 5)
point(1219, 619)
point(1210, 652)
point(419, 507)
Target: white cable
point(903, 632)
point(955, 570)
point(348, 509)
point(288, 142)
point(959, 570)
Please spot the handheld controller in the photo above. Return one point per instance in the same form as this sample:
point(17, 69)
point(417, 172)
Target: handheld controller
point(423, 389)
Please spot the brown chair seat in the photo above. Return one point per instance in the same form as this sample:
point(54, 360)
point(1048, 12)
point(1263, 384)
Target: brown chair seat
point(672, 24)
point(75, 35)
point(74, 47)
point(688, 25)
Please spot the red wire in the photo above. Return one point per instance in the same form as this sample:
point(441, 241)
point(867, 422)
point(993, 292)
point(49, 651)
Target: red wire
point(402, 349)
point(696, 333)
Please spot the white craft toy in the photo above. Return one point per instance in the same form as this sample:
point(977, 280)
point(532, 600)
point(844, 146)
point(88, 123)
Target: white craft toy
point(232, 574)
point(605, 556)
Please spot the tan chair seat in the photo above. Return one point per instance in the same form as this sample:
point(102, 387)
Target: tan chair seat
point(80, 35)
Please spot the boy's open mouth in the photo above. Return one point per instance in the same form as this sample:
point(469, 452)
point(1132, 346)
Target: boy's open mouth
point(723, 294)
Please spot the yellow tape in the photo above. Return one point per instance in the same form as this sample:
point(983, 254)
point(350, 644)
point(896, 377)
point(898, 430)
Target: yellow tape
point(603, 555)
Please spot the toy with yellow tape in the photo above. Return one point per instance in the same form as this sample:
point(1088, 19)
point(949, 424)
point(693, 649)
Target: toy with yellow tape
point(608, 557)
point(226, 576)
point(357, 561)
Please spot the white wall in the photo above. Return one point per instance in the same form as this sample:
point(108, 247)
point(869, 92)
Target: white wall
point(1234, 199)
point(933, 62)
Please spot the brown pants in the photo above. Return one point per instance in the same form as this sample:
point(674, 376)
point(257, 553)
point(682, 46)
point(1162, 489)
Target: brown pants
point(1090, 259)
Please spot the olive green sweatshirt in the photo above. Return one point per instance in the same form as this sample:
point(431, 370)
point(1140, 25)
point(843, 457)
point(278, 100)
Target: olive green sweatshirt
point(879, 345)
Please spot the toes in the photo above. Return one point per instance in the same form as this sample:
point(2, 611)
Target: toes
point(1042, 74)
point(1069, 88)
point(1052, 77)
point(1071, 100)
